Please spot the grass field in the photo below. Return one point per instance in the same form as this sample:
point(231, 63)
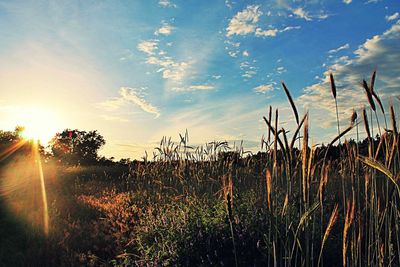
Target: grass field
point(291, 205)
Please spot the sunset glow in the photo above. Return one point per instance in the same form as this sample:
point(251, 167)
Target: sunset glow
point(39, 124)
point(211, 67)
point(200, 133)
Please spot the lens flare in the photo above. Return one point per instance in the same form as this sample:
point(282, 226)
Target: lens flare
point(39, 124)
point(43, 189)
point(22, 184)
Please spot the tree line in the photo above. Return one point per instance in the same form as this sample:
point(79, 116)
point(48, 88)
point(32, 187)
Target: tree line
point(76, 147)
point(70, 147)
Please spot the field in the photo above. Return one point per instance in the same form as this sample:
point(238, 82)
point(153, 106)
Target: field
point(290, 205)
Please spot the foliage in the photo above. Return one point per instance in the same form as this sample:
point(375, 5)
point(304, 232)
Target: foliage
point(77, 147)
point(8, 137)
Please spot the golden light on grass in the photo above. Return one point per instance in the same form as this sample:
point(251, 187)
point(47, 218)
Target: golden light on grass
point(11, 149)
point(43, 190)
point(23, 184)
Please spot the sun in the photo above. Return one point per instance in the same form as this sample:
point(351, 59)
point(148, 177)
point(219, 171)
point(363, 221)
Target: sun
point(39, 124)
point(32, 133)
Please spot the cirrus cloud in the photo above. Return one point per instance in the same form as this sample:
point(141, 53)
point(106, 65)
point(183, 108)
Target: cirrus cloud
point(128, 95)
point(131, 95)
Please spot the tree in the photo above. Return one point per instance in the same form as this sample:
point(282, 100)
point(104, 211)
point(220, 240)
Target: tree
point(9, 137)
point(13, 145)
point(77, 147)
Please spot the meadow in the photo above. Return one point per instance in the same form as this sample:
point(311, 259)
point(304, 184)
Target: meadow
point(291, 204)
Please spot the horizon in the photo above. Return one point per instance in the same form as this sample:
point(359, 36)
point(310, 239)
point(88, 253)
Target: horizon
point(139, 71)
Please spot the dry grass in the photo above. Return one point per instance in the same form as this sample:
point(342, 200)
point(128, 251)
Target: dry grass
point(214, 205)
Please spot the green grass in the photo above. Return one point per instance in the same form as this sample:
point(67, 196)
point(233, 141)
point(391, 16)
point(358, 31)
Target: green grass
point(206, 207)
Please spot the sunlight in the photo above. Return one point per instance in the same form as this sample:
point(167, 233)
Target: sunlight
point(39, 125)
point(10, 150)
point(43, 190)
point(23, 186)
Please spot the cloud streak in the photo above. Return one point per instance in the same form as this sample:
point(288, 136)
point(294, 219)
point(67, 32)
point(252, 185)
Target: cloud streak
point(264, 88)
point(303, 14)
point(191, 88)
point(131, 95)
point(345, 46)
point(127, 95)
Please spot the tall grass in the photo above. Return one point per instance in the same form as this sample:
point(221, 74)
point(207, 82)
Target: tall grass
point(216, 205)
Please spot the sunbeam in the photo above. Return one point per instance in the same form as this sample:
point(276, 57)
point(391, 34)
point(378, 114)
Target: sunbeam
point(11, 149)
point(20, 181)
point(38, 159)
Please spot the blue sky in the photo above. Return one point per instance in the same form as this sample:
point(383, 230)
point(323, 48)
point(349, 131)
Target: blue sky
point(139, 70)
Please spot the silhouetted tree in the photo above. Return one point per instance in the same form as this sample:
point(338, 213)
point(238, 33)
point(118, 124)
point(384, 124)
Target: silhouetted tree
point(13, 145)
point(9, 137)
point(77, 147)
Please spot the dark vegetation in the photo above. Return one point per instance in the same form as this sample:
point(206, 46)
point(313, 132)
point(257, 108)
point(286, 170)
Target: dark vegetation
point(289, 205)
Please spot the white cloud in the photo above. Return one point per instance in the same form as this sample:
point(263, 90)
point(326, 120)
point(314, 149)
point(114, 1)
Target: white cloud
point(166, 3)
point(245, 21)
point(244, 65)
point(249, 74)
point(372, 1)
point(392, 17)
point(322, 16)
point(148, 46)
point(289, 28)
point(270, 32)
point(131, 95)
point(248, 69)
point(234, 44)
point(126, 95)
point(170, 69)
point(202, 87)
point(280, 70)
point(228, 3)
point(176, 71)
point(273, 32)
point(301, 13)
point(165, 29)
point(345, 46)
point(347, 1)
point(381, 52)
point(233, 53)
point(264, 88)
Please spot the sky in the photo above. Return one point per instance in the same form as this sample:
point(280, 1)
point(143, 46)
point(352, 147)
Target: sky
point(139, 70)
